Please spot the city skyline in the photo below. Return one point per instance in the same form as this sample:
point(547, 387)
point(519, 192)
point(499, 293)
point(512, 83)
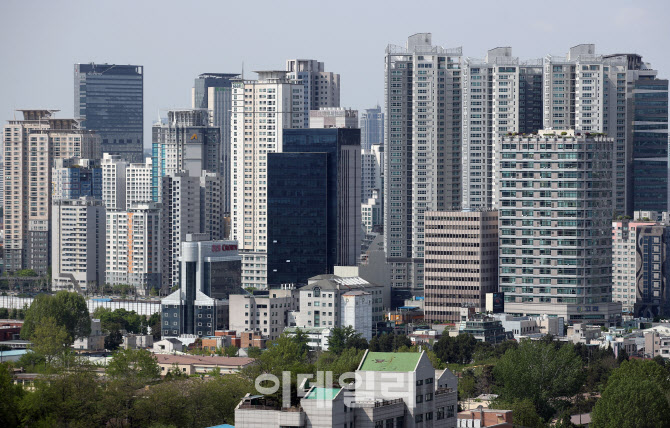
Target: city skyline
point(149, 40)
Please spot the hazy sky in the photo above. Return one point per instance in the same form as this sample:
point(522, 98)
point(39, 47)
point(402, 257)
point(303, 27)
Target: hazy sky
point(177, 40)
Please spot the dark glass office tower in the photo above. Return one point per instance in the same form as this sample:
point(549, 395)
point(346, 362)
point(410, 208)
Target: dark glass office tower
point(108, 99)
point(313, 204)
point(648, 175)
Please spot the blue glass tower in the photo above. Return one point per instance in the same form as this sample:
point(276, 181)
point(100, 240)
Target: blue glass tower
point(649, 166)
point(108, 99)
point(313, 204)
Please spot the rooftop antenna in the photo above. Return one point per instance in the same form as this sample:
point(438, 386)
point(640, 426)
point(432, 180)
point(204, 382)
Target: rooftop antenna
point(242, 70)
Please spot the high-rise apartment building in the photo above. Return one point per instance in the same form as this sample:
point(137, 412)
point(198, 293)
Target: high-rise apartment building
point(261, 110)
point(372, 127)
point(372, 171)
point(78, 251)
point(617, 95)
point(555, 226)
point(641, 267)
point(321, 88)
point(180, 195)
point(31, 146)
point(422, 148)
point(461, 262)
point(213, 91)
point(313, 204)
point(108, 99)
point(73, 178)
point(134, 247)
point(500, 95)
point(113, 181)
point(138, 182)
point(185, 142)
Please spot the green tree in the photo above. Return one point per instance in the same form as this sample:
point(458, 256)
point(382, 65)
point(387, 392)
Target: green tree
point(11, 394)
point(113, 340)
point(254, 352)
point(540, 372)
point(457, 349)
point(155, 323)
point(133, 365)
point(64, 398)
point(68, 309)
point(636, 396)
point(345, 337)
point(50, 339)
point(26, 273)
point(231, 351)
point(347, 361)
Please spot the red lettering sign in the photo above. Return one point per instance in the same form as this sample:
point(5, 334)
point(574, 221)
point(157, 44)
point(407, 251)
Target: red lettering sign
point(216, 248)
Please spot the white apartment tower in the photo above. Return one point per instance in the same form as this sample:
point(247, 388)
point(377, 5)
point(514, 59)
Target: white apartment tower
point(31, 146)
point(134, 247)
point(500, 95)
point(113, 181)
point(422, 148)
point(78, 244)
point(261, 110)
point(138, 182)
point(321, 88)
point(555, 226)
point(587, 92)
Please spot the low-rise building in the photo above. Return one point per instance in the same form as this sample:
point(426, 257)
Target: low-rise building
point(168, 345)
point(137, 341)
point(94, 341)
point(266, 312)
point(198, 364)
point(397, 390)
point(480, 418)
point(317, 337)
point(321, 300)
point(656, 344)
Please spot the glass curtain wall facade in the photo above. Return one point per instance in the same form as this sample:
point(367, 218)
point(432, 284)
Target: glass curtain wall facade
point(108, 99)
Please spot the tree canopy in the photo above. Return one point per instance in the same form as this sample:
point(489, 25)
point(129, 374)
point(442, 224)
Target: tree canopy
point(66, 308)
point(636, 395)
point(539, 371)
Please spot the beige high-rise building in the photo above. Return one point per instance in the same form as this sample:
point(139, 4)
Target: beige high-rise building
point(30, 147)
point(133, 247)
point(78, 252)
point(422, 149)
point(261, 110)
point(322, 88)
point(461, 262)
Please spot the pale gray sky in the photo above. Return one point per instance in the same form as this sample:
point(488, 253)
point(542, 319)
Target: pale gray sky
point(177, 40)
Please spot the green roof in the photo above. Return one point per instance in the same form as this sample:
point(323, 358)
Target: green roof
point(390, 361)
point(323, 393)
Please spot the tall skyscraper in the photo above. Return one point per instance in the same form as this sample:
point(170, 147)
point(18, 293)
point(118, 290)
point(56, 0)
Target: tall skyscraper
point(372, 170)
point(313, 204)
point(555, 226)
point(372, 127)
point(213, 91)
point(185, 142)
point(261, 110)
point(500, 95)
point(321, 88)
point(461, 262)
point(647, 136)
point(620, 96)
point(31, 146)
point(108, 99)
point(78, 236)
point(422, 148)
